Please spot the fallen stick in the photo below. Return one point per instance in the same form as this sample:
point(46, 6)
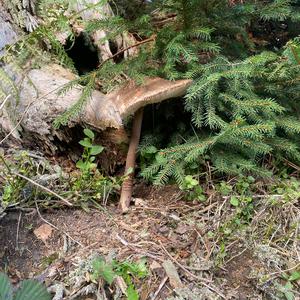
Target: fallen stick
point(201, 279)
point(43, 188)
point(163, 282)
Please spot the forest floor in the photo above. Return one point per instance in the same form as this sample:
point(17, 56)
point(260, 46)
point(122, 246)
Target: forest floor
point(192, 250)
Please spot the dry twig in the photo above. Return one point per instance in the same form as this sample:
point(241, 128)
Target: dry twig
point(43, 188)
point(201, 279)
point(163, 282)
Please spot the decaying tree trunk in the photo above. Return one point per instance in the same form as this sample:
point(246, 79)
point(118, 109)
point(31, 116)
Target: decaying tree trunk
point(31, 117)
point(39, 103)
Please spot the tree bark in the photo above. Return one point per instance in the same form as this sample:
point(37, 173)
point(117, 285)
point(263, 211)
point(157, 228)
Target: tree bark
point(39, 105)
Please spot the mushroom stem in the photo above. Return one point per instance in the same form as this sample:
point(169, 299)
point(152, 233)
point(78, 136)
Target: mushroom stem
point(127, 186)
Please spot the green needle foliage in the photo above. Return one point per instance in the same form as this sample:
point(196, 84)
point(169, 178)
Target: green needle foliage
point(243, 100)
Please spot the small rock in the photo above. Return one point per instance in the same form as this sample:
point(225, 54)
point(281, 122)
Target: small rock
point(157, 269)
point(171, 272)
point(139, 202)
point(182, 228)
point(155, 265)
point(164, 229)
point(43, 232)
point(174, 217)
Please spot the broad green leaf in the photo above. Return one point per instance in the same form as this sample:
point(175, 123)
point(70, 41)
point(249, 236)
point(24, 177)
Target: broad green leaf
point(5, 288)
point(142, 268)
point(96, 149)
point(234, 201)
point(32, 290)
point(89, 133)
point(104, 270)
point(288, 291)
point(86, 143)
point(92, 166)
point(81, 165)
point(289, 295)
point(295, 276)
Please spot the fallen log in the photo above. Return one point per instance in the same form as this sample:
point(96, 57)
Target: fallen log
point(29, 117)
point(39, 105)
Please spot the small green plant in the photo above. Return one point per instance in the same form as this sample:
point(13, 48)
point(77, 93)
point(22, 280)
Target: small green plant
point(129, 271)
point(7, 194)
point(95, 185)
point(147, 156)
point(86, 164)
point(28, 290)
point(239, 195)
point(285, 190)
point(192, 188)
point(102, 269)
point(16, 189)
point(243, 185)
point(224, 188)
point(287, 290)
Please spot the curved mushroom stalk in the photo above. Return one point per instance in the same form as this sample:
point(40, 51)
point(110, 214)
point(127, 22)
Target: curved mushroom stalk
point(153, 91)
point(127, 186)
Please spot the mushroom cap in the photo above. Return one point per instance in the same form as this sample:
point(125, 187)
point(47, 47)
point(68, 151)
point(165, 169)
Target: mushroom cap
point(101, 111)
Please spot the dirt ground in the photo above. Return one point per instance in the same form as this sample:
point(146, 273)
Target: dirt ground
point(159, 227)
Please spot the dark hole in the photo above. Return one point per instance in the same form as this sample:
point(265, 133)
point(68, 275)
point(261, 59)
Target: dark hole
point(274, 34)
point(83, 53)
point(167, 122)
point(114, 49)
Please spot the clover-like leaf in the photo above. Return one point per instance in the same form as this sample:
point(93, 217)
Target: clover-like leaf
point(234, 201)
point(5, 287)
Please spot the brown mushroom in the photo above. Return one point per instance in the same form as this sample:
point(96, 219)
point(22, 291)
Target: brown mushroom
point(132, 100)
point(39, 105)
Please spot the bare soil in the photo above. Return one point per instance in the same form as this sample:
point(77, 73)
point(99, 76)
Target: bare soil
point(159, 226)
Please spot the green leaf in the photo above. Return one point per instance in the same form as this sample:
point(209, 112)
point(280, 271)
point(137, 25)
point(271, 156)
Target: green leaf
point(81, 165)
point(138, 269)
point(96, 149)
point(294, 276)
point(86, 143)
point(104, 270)
point(288, 291)
point(234, 201)
point(5, 288)
point(92, 166)
point(190, 181)
point(89, 133)
point(32, 290)
point(132, 294)
point(201, 198)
